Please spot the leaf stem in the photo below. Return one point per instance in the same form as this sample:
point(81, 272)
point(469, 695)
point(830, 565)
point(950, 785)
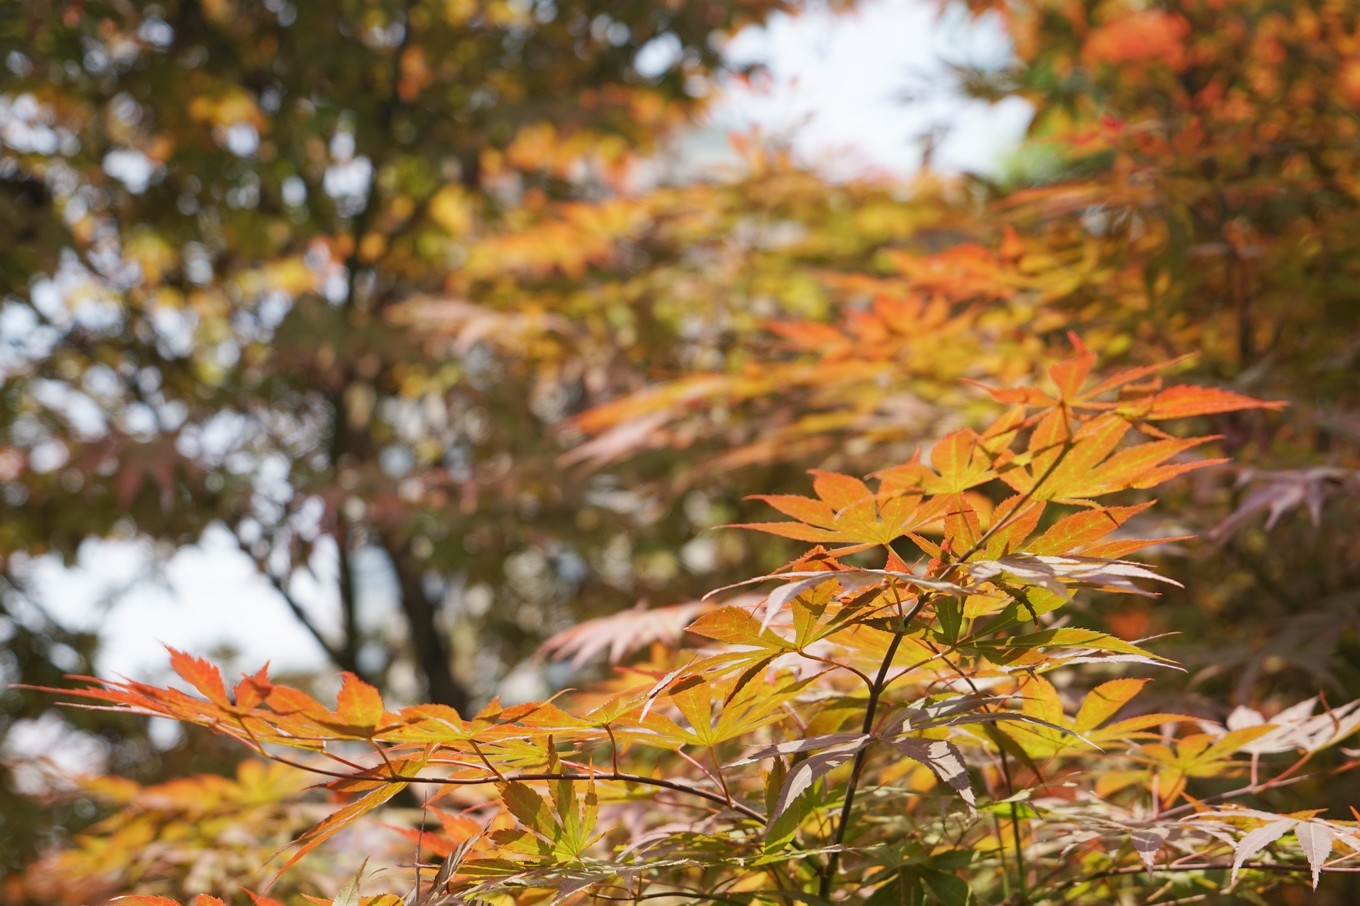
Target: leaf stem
point(1020, 869)
point(1206, 865)
point(870, 713)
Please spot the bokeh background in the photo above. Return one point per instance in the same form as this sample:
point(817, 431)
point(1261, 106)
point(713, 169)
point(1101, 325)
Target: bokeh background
point(303, 308)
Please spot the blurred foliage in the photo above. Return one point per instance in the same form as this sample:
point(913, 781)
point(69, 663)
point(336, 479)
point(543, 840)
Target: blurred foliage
point(213, 214)
point(243, 195)
point(349, 279)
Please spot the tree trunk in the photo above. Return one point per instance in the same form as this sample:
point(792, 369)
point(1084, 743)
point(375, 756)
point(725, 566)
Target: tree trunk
point(427, 640)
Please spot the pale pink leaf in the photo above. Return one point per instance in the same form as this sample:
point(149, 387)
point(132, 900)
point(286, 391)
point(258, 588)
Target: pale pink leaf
point(1316, 841)
point(1257, 840)
point(851, 580)
point(943, 758)
point(804, 774)
point(794, 746)
point(620, 634)
point(1058, 573)
point(1147, 841)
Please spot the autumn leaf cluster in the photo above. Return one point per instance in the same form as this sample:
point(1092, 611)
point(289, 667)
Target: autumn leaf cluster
point(864, 730)
point(377, 300)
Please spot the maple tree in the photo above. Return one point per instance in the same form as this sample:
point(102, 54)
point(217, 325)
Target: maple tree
point(230, 198)
point(1186, 188)
point(306, 295)
point(882, 727)
point(219, 220)
point(325, 294)
point(1212, 143)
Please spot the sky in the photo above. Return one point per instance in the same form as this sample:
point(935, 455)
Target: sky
point(836, 95)
point(855, 92)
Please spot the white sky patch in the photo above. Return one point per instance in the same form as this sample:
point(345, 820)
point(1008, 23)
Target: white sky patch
point(208, 596)
point(857, 93)
point(130, 167)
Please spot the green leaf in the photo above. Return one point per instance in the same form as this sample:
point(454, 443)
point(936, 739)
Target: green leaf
point(903, 890)
point(529, 808)
point(949, 611)
point(949, 889)
point(783, 826)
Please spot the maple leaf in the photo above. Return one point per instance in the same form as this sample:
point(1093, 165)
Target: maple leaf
point(622, 633)
point(717, 714)
point(734, 625)
point(1315, 837)
point(943, 758)
point(961, 461)
point(342, 818)
point(1278, 492)
point(1077, 531)
point(1058, 574)
point(1147, 841)
point(850, 580)
point(824, 754)
point(1297, 728)
point(1185, 401)
point(1050, 732)
point(1197, 755)
point(358, 704)
point(1136, 403)
point(1089, 464)
point(846, 511)
point(200, 674)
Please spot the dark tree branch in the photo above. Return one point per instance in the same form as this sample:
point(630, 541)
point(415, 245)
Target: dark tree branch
point(427, 639)
point(349, 599)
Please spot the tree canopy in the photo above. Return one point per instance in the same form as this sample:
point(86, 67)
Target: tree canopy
point(404, 283)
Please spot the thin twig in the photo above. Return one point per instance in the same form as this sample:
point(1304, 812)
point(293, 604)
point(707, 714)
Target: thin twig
point(616, 776)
